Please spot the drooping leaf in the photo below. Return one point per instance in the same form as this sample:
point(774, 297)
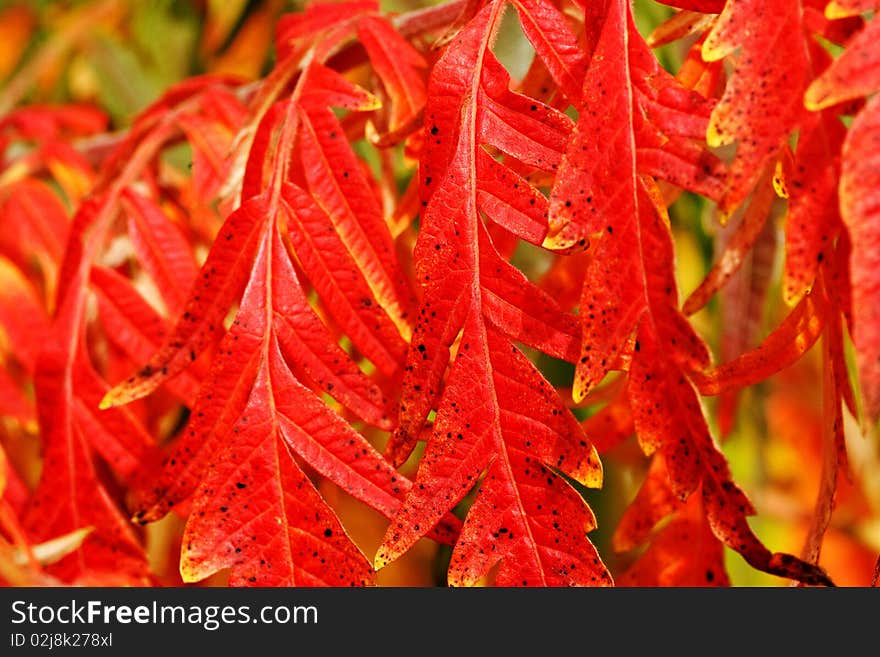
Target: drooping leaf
point(497, 418)
point(743, 301)
point(340, 198)
point(161, 249)
point(629, 303)
point(854, 74)
point(23, 320)
point(860, 208)
point(786, 343)
point(252, 411)
point(736, 249)
point(684, 552)
point(663, 125)
point(220, 280)
point(35, 225)
point(555, 44)
point(762, 102)
point(813, 220)
point(398, 65)
point(134, 326)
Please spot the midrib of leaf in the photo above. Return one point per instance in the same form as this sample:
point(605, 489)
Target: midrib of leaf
point(470, 124)
point(268, 312)
point(631, 140)
point(476, 288)
point(501, 448)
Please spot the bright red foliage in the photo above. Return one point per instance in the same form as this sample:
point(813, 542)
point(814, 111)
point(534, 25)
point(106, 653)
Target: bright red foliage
point(331, 297)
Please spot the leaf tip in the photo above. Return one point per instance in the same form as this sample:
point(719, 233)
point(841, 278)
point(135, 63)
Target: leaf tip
point(715, 138)
point(380, 560)
point(816, 97)
point(592, 475)
point(370, 103)
point(711, 52)
point(833, 11)
point(108, 401)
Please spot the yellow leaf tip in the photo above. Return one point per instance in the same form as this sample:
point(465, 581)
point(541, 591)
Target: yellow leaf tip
point(108, 401)
point(380, 561)
point(714, 138)
point(833, 11)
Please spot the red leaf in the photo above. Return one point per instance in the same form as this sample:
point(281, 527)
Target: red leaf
point(135, 327)
point(524, 516)
point(629, 301)
point(250, 414)
point(47, 123)
point(323, 87)
point(555, 43)
point(737, 248)
point(634, 118)
point(259, 515)
point(833, 445)
point(220, 280)
point(762, 102)
point(210, 132)
point(813, 219)
point(316, 18)
point(786, 344)
point(339, 187)
point(856, 73)
point(496, 414)
point(22, 317)
point(116, 435)
point(684, 552)
point(36, 221)
point(743, 301)
point(860, 207)
point(397, 64)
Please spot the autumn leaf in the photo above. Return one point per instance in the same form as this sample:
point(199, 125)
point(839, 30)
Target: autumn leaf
point(683, 552)
point(664, 120)
point(852, 76)
point(483, 432)
point(405, 282)
point(762, 103)
point(629, 304)
point(860, 206)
